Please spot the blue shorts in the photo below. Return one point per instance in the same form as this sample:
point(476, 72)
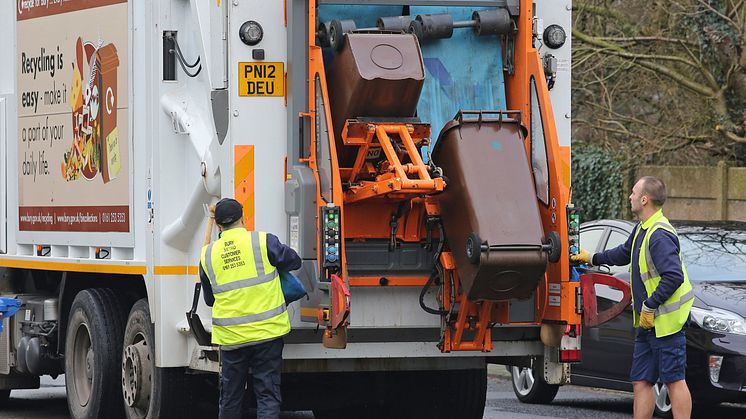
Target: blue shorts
point(658, 359)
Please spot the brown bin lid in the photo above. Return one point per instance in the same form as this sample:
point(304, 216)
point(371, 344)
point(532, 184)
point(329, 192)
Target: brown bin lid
point(379, 56)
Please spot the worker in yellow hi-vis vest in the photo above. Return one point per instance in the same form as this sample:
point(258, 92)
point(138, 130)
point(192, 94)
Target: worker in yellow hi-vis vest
point(239, 274)
point(662, 296)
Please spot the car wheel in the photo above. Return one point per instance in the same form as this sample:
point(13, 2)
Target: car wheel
point(662, 401)
point(529, 388)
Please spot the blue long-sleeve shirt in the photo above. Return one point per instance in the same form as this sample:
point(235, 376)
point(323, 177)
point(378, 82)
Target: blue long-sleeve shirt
point(280, 256)
point(664, 250)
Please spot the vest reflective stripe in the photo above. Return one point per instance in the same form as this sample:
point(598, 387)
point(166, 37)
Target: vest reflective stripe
point(669, 308)
point(652, 270)
point(250, 318)
point(258, 260)
point(670, 316)
point(249, 305)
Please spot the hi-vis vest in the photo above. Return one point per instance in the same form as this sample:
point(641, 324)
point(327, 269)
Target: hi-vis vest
point(249, 306)
point(670, 316)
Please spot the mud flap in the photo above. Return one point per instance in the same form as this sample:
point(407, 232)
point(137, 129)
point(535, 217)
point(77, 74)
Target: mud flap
point(591, 316)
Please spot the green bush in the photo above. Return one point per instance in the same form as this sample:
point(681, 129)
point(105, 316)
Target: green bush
point(597, 184)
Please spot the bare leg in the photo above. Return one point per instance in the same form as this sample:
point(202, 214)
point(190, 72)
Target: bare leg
point(681, 399)
point(644, 400)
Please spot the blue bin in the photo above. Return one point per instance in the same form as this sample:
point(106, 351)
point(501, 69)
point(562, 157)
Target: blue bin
point(8, 307)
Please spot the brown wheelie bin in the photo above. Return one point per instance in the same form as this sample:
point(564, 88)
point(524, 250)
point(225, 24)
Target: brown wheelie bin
point(376, 75)
point(489, 208)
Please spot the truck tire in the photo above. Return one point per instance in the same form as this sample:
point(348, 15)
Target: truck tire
point(333, 413)
point(93, 346)
point(149, 392)
point(433, 394)
point(4, 396)
point(443, 394)
point(531, 388)
point(465, 394)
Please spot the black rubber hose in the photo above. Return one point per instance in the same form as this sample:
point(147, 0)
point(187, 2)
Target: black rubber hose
point(422, 297)
point(180, 59)
point(437, 273)
point(178, 50)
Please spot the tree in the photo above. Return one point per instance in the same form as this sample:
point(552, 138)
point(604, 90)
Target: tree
point(661, 80)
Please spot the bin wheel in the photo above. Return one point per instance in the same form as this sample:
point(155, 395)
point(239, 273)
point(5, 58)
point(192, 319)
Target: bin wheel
point(473, 247)
point(337, 31)
point(555, 243)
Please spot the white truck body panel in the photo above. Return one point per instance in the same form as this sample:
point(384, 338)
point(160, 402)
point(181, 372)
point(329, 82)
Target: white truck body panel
point(553, 12)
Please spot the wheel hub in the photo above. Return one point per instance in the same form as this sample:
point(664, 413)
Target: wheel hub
point(89, 365)
point(136, 375)
point(83, 366)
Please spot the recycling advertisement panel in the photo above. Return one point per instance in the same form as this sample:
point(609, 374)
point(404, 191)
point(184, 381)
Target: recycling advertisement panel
point(73, 140)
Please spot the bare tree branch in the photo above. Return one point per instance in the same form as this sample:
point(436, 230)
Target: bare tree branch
point(732, 136)
point(641, 39)
point(641, 61)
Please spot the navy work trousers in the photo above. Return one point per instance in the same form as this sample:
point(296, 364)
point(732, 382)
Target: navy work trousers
point(265, 361)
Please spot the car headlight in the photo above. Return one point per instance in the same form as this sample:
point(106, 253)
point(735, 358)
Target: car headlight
point(719, 320)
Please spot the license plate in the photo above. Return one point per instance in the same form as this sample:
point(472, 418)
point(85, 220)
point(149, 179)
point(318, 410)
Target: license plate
point(261, 79)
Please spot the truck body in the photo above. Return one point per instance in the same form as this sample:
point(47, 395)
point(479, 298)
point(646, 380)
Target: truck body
point(121, 120)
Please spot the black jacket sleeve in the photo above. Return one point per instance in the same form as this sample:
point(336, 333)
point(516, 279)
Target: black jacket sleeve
point(618, 256)
point(281, 256)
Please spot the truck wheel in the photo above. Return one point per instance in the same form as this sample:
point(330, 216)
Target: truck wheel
point(149, 392)
point(332, 413)
point(468, 393)
point(530, 388)
point(93, 345)
point(4, 396)
point(443, 394)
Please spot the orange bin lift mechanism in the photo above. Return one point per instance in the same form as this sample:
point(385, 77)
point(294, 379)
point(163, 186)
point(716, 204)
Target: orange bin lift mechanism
point(391, 179)
point(471, 316)
point(402, 175)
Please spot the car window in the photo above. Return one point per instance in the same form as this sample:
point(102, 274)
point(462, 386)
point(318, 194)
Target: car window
point(589, 239)
point(616, 238)
point(714, 254)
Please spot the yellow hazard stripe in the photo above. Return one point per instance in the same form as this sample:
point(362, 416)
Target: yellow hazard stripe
point(108, 268)
point(243, 177)
point(309, 312)
point(176, 270)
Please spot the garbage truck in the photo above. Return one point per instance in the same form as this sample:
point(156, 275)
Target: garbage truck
point(414, 153)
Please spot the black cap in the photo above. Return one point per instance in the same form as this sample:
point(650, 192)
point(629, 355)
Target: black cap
point(228, 211)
